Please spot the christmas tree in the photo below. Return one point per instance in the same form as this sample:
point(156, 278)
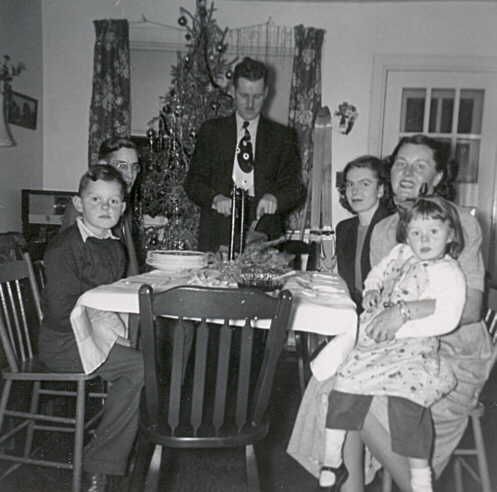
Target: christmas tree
point(200, 90)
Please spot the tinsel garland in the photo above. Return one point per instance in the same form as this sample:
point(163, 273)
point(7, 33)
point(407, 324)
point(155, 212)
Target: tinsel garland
point(162, 194)
point(200, 90)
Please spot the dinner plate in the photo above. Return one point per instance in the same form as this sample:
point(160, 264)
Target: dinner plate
point(174, 260)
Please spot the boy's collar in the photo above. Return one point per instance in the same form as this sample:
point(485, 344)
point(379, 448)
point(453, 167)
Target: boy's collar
point(86, 233)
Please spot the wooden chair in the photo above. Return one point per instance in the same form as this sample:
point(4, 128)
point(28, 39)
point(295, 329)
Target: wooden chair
point(219, 397)
point(20, 318)
point(472, 460)
point(39, 270)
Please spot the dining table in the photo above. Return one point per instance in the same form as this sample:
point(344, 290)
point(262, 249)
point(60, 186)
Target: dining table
point(108, 313)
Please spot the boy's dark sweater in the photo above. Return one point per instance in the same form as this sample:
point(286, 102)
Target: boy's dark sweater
point(73, 267)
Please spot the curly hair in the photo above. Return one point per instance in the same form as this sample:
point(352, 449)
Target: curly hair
point(378, 167)
point(443, 163)
point(433, 207)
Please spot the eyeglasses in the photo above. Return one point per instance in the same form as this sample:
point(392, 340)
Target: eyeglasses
point(122, 166)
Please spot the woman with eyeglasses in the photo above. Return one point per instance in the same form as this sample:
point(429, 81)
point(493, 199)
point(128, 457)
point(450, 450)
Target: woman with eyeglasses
point(364, 192)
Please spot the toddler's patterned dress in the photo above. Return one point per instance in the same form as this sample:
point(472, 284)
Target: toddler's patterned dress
point(408, 366)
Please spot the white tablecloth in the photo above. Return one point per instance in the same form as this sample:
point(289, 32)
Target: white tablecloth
point(321, 305)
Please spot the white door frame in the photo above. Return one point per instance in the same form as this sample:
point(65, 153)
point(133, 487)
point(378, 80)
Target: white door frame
point(383, 64)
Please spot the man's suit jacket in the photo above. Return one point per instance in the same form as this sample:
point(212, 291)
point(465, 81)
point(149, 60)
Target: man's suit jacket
point(277, 170)
point(346, 244)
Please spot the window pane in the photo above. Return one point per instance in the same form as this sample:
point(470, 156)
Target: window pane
point(470, 111)
point(441, 110)
point(467, 195)
point(466, 155)
point(413, 110)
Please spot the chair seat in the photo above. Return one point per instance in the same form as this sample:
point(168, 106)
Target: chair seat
point(35, 369)
point(206, 437)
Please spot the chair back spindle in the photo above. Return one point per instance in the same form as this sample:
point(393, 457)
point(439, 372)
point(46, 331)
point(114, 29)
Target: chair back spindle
point(19, 297)
point(218, 394)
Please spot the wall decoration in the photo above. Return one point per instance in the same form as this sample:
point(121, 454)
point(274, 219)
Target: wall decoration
point(8, 71)
point(23, 110)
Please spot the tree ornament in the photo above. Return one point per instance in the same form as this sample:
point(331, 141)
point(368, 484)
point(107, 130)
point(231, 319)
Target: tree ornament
point(199, 91)
point(229, 74)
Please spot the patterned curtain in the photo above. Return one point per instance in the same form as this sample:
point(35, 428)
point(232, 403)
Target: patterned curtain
point(110, 101)
point(305, 99)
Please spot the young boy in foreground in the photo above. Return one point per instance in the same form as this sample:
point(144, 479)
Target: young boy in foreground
point(80, 258)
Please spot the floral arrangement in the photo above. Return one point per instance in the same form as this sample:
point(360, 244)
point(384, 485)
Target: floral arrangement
point(8, 70)
point(344, 117)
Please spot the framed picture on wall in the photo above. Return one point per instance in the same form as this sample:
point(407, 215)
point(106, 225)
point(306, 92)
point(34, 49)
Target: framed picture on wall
point(23, 110)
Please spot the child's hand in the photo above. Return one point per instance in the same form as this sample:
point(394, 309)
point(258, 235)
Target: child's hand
point(385, 325)
point(370, 299)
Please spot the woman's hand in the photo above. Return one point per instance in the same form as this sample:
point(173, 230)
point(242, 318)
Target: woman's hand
point(385, 325)
point(370, 300)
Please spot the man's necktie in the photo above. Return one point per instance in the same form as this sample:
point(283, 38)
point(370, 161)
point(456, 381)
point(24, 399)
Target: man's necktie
point(244, 150)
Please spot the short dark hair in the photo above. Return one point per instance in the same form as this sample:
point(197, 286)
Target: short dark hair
point(104, 173)
point(434, 207)
point(377, 166)
point(112, 145)
point(250, 69)
point(441, 156)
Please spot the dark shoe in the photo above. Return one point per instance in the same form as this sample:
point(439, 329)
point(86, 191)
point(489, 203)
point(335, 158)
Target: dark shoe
point(95, 482)
point(341, 474)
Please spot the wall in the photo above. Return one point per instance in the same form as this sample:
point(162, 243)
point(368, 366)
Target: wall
point(355, 32)
point(21, 166)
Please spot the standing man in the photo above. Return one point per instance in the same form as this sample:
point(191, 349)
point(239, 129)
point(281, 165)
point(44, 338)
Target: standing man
point(256, 154)
point(120, 153)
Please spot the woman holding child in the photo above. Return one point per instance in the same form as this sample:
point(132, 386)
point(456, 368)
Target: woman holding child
point(418, 165)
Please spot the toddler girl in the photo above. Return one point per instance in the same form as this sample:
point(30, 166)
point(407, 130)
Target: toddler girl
point(411, 297)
